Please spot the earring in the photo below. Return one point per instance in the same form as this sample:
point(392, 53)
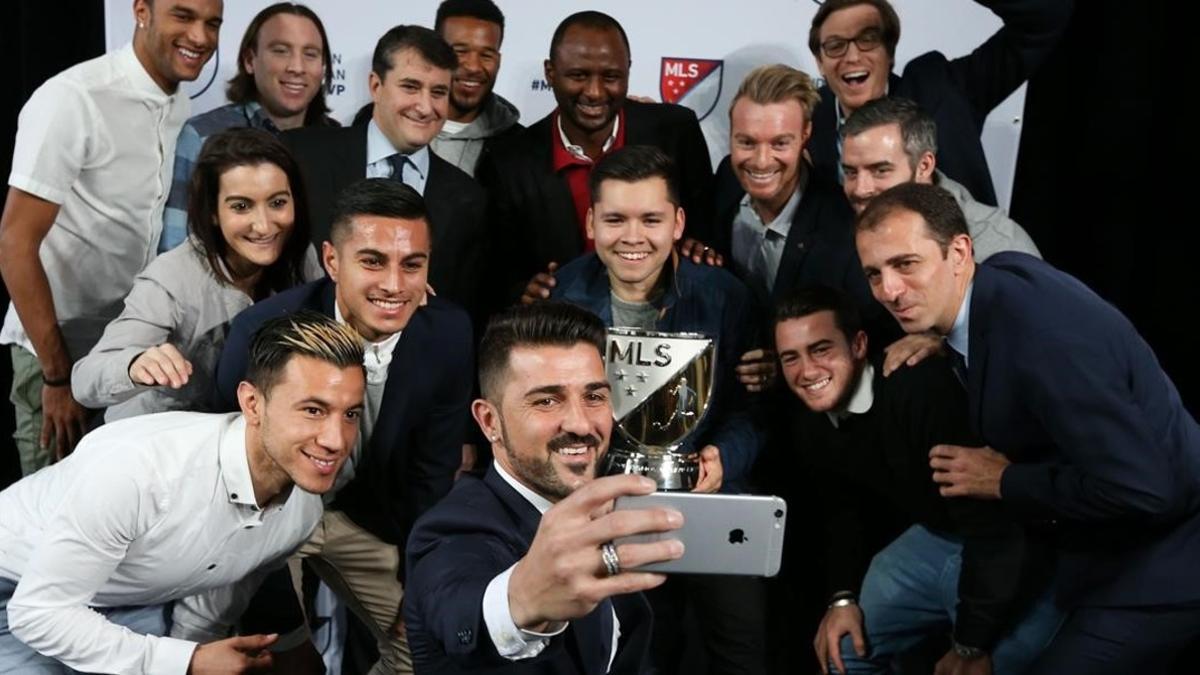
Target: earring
point(141, 25)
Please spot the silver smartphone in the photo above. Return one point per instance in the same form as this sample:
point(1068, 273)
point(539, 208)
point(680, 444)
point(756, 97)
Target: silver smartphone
point(721, 534)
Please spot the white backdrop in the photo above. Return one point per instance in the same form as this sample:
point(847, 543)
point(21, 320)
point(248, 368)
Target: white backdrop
point(741, 34)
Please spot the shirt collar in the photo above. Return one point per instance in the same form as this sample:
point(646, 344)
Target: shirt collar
point(376, 355)
point(782, 224)
point(128, 63)
point(957, 337)
point(574, 153)
point(539, 502)
point(258, 117)
point(235, 465)
point(380, 148)
point(861, 400)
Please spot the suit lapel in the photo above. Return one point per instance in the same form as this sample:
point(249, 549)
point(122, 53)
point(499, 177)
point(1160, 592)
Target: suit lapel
point(977, 346)
point(796, 247)
point(563, 243)
point(404, 373)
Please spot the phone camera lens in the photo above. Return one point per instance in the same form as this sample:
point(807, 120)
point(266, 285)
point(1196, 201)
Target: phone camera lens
point(778, 513)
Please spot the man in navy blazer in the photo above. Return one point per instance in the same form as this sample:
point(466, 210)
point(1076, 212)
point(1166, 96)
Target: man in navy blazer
point(419, 362)
point(517, 572)
point(410, 85)
point(846, 36)
point(1086, 434)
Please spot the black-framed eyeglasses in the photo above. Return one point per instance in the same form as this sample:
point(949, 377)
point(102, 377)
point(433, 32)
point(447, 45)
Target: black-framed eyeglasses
point(866, 41)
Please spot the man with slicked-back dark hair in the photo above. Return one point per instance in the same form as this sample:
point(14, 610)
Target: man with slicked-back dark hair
point(419, 360)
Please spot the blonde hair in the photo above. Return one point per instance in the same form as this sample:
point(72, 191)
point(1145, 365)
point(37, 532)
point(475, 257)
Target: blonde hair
point(778, 83)
point(303, 333)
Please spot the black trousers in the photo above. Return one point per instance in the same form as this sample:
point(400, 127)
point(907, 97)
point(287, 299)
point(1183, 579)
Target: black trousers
point(709, 623)
point(1122, 640)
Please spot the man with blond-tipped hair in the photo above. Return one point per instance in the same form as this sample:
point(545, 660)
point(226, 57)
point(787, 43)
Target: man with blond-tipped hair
point(188, 507)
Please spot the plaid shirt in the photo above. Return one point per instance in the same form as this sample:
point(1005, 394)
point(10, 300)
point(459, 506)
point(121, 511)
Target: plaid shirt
point(187, 149)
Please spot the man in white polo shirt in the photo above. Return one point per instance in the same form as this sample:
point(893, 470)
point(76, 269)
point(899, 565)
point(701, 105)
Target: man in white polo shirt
point(90, 173)
point(191, 507)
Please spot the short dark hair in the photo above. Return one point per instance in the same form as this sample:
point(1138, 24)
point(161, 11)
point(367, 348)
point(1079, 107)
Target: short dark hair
point(241, 87)
point(302, 333)
point(943, 218)
point(810, 300)
point(890, 28)
point(918, 131)
point(484, 10)
point(634, 163)
point(246, 147)
point(588, 19)
point(546, 323)
point(374, 197)
point(425, 42)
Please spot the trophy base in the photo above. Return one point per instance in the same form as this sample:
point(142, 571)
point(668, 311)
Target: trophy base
point(672, 472)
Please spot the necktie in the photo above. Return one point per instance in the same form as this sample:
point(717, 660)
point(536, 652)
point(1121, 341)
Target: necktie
point(958, 363)
point(398, 161)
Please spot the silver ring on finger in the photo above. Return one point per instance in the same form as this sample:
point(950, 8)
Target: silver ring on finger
point(608, 555)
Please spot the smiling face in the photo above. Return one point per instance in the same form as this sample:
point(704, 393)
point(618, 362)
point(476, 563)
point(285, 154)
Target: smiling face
point(820, 365)
point(380, 267)
point(589, 72)
point(909, 273)
point(553, 421)
point(288, 65)
point(635, 226)
point(766, 145)
point(411, 100)
point(303, 427)
point(875, 160)
point(255, 213)
point(859, 75)
point(175, 38)
point(477, 44)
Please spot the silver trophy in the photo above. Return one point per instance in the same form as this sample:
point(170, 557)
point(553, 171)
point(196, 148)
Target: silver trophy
point(662, 384)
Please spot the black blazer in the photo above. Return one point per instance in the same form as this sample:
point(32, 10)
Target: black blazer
point(960, 93)
point(532, 214)
point(416, 445)
point(820, 247)
point(479, 530)
point(332, 158)
point(1104, 450)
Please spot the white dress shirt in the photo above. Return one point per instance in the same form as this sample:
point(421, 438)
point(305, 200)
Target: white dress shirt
point(98, 139)
point(379, 153)
point(511, 642)
point(146, 510)
point(377, 359)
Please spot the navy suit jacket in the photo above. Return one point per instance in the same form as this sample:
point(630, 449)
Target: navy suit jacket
point(416, 444)
point(1061, 382)
point(960, 93)
point(532, 214)
point(332, 158)
point(479, 530)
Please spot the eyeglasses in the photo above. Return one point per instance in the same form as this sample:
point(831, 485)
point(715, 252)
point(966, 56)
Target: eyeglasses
point(866, 41)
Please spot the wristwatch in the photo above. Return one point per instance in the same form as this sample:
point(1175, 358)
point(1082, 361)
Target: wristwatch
point(842, 599)
point(968, 653)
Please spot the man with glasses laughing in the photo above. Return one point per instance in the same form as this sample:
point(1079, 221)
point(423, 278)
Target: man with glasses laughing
point(846, 36)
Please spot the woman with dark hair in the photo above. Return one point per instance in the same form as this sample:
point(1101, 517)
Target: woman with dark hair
point(249, 228)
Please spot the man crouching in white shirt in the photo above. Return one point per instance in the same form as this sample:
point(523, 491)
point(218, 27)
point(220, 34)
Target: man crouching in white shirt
point(190, 507)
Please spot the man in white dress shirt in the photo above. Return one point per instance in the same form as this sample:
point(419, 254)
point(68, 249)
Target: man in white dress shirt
point(91, 171)
point(161, 507)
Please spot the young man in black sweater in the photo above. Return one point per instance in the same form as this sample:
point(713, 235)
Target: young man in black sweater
point(960, 562)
